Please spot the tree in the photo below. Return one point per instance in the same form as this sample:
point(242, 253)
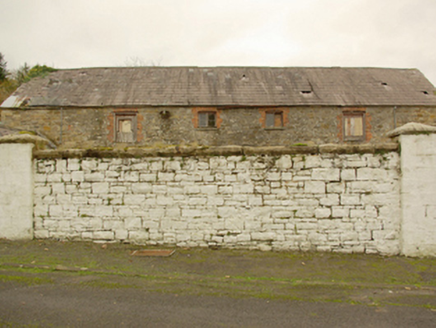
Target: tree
point(140, 62)
point(20, 75)
point(3, 71)
point(11, 82)
point(25, 73)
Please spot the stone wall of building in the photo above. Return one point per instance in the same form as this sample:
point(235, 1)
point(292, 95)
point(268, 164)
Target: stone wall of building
point(325, 201)
point(89, 128)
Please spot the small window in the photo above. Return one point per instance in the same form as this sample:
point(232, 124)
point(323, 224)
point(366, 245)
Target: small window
point(354, 126)
point(274, 120)
point(125, 127)
point(207, 120)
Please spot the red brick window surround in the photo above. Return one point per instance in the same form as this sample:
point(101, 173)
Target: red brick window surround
point(125, 127)
point(206, 118)
point(353, 125)
point(273, 118)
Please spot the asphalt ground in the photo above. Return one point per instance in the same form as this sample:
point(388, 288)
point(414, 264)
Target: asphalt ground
point(75, 284)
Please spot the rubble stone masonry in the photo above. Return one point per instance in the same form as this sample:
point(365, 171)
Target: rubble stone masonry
point(323, 202)
point(92, 128)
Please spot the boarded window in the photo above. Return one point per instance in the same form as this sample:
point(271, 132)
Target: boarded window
point(207, 120)
point(274, 120)
point(354, 126)
point(125, 125)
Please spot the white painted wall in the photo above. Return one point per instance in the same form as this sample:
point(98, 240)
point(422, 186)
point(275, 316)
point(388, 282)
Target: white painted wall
point(418, 194)
point(16, 191)
point(322, 202)
point(328, 202)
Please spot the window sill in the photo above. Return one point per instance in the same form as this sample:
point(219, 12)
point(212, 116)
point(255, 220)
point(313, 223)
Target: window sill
point(207, 129)
point(274, 129)
point(354, 140)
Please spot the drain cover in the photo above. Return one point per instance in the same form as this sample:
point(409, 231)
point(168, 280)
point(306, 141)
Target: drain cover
point(153, 252)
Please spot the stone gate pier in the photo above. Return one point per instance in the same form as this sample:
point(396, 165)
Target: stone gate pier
point(418, 189)
point(16, 191)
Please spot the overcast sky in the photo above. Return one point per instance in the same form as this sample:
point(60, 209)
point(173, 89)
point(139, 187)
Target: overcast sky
point(88, 33)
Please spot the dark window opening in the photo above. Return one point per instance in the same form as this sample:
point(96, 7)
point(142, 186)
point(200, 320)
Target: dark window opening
point(274, 120)
point(306, 92)
point(207, 120)
point(425, 92)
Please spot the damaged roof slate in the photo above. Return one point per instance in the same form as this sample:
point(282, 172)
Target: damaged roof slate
point(225, 86)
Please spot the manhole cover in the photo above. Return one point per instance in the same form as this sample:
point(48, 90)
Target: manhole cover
point(153, 252)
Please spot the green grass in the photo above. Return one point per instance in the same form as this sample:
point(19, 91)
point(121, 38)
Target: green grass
point(10, 324)
point(328, 277)
point(24, 280)
point(324, 267)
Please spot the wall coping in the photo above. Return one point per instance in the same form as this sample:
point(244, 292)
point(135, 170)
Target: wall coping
point(40, 143)
point(412, 128)
point(216, 151)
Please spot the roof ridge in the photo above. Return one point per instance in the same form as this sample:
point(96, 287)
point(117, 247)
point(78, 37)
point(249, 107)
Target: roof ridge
point(236, 67)
point(226, 86)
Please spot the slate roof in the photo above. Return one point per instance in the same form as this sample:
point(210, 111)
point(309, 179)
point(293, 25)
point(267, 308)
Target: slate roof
point(226, 86)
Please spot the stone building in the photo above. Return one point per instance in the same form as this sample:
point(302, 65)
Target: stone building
point(216, 106)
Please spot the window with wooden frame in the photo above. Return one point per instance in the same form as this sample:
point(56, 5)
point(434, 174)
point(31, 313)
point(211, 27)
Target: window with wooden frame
point(125, 127)
point(273, 119)
point(207, 120)
point(354, 126)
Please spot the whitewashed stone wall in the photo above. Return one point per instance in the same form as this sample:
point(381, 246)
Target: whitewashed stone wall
point(324, 202)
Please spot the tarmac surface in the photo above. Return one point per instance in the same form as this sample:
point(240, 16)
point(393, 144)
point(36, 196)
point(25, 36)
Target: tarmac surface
point(70, 284)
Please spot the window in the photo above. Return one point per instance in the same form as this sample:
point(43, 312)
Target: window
point(354, 126)
point(207, 120)
point(274, 120)
point(125, 127)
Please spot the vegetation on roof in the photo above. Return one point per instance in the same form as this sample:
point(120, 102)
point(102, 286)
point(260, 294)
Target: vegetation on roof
point(11, 80)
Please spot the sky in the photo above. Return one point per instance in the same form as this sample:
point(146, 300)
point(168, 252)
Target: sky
point(103, 33)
